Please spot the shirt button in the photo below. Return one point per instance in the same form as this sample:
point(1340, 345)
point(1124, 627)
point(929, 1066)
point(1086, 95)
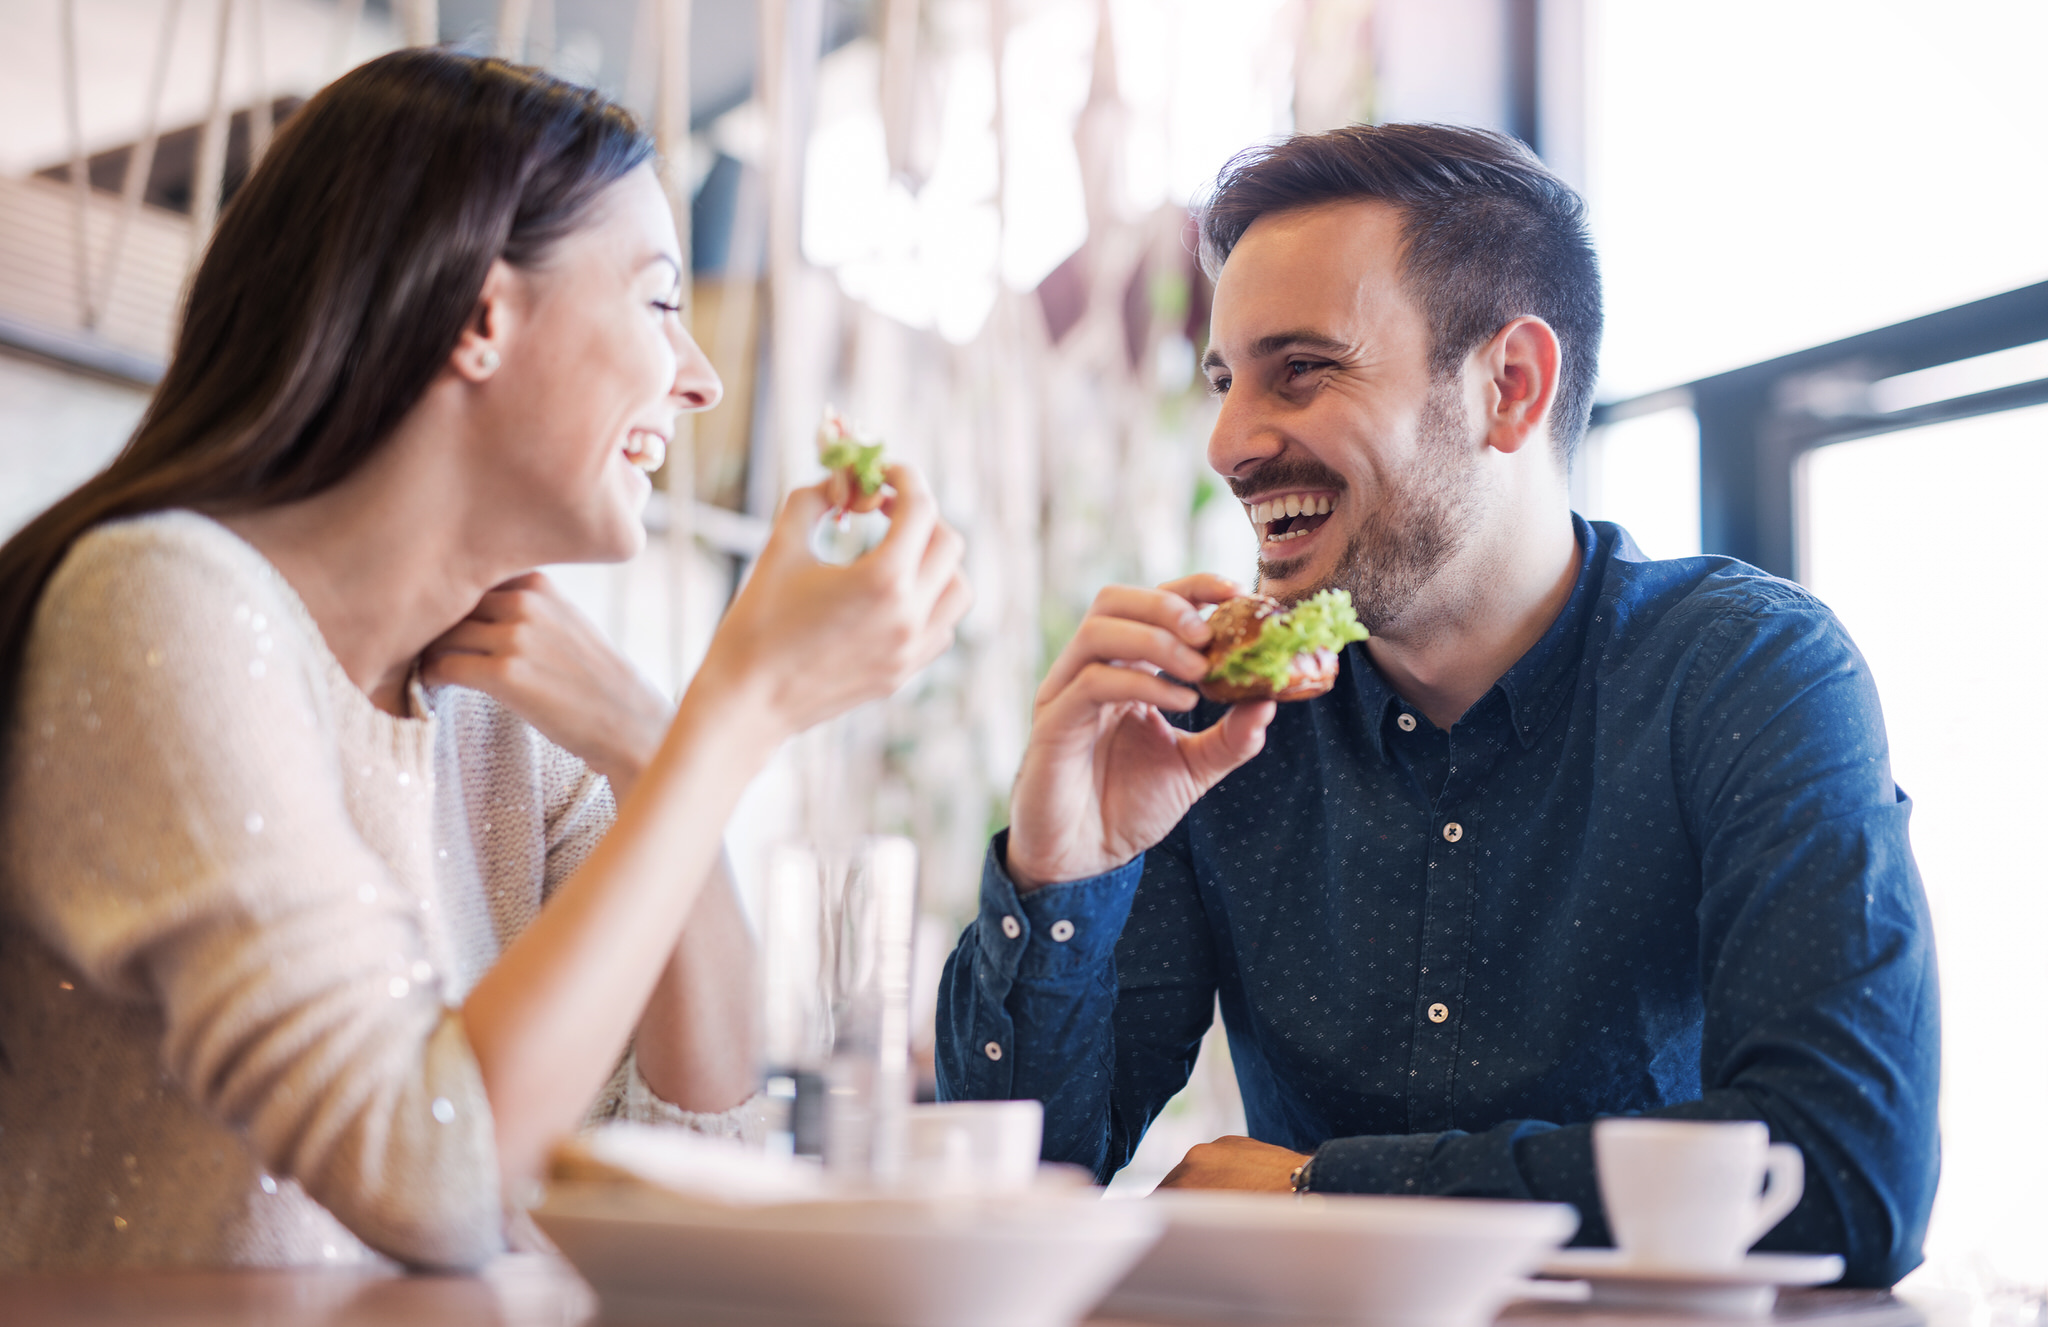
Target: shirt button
point(1062, 930)
point(1012, 927)
point(994, 1050)
point(1437, 1013)
point(1407, 722)
point(1453, 832)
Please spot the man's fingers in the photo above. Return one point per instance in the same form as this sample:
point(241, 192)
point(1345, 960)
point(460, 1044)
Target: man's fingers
point(1117, 639)
point(1101, 684)
point(1204, 588)
point(1228, 743)
point(1161, 608)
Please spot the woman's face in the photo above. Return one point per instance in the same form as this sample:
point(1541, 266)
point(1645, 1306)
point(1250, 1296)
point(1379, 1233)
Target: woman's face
point(596, 364)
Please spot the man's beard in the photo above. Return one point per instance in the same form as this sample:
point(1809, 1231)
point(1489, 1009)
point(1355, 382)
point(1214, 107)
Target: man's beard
point(1418, 525)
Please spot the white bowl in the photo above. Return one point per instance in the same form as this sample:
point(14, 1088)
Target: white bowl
point(1039, 1259)
point(1330, 1258)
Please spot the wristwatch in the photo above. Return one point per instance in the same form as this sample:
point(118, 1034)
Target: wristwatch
point(1299, 1180)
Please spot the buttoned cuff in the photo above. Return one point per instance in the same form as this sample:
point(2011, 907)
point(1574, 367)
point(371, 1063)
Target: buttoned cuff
point(1054, 932)
point(1373, 1163)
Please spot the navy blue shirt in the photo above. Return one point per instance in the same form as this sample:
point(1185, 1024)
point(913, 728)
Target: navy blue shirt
point(1660, 867)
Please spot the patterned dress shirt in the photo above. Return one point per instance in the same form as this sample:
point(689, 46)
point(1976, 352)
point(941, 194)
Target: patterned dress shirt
point(1660, 868)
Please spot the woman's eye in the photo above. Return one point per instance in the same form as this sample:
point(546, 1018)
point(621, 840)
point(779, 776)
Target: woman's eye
point(666, 307)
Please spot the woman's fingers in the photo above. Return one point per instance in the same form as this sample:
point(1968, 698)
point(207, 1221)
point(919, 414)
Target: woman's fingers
point(941, 561)
point(912, 515)
point(472, 635)
point(478, 670)
point(791, 535)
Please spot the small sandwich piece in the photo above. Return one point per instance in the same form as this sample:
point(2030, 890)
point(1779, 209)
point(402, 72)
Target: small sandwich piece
point(855, 463)
point(1263, 650)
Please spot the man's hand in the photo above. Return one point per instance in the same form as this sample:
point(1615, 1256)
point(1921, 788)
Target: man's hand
point(1235, 1162)
point(525, 645)
point(1105, 775)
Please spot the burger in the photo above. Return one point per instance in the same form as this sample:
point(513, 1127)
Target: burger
point(1261, 649)
point(855, 463)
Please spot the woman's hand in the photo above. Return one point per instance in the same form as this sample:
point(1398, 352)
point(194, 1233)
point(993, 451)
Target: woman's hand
point(807, 640)
point(526, 645)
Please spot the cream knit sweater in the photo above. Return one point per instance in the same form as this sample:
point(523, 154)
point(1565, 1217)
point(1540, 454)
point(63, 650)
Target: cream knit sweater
point(239, 906)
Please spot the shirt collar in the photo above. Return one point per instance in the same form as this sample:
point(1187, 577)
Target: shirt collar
point(1546, 674)
point(1536, 685)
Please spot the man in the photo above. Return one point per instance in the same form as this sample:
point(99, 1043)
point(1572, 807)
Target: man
point(1576, 834)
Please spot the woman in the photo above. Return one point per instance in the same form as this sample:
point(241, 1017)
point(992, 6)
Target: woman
point(276, 984)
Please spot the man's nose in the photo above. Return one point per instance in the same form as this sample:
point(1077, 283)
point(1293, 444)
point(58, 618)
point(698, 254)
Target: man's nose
point(1243, 439)
point(696, 386)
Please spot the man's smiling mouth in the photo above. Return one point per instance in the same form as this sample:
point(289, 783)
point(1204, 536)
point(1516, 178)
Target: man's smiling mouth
point(1280, 518)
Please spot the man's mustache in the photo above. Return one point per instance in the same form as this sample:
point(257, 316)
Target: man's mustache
point(1286, 472)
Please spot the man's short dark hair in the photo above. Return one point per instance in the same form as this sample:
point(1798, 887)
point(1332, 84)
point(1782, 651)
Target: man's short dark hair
point(1491, 235)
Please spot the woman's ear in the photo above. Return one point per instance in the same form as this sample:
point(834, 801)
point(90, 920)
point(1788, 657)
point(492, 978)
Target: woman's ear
point(1524, 360)
point(480, 350)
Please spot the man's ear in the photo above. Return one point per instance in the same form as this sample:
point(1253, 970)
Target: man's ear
point(1522, 361)
point(480, 350)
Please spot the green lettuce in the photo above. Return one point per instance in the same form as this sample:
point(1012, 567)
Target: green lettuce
point(1324, 621)
point(865, 459)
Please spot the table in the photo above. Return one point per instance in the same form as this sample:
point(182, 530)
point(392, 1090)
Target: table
point(540, 1290)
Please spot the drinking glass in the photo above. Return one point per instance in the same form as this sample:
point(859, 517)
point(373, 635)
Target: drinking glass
point(837, 929)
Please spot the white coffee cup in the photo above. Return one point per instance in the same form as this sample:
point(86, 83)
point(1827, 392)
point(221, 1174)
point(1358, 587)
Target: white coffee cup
point(975, 1146)
point(1692, 1194)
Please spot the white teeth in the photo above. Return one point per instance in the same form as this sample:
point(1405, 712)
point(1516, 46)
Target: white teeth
point(1265, 513)
point(647, 451)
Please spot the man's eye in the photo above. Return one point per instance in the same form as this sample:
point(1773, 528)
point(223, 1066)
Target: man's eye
point(1297, 367)
point(1218, 386)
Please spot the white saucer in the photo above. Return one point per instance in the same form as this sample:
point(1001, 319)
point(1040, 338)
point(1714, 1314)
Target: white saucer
point(1746, 1289)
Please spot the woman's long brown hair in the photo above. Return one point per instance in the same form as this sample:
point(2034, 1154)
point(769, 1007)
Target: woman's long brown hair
point(336, 287)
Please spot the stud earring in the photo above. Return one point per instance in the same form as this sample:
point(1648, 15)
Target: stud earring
point(487, 361)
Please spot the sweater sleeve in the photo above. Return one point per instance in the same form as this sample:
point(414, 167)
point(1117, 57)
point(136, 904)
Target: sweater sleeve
point(578, 809)
point(183, 838)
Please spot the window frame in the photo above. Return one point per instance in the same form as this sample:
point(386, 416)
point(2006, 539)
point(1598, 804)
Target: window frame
point(1757, 422)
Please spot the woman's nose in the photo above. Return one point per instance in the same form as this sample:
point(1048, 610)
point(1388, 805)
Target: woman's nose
point(696, 386)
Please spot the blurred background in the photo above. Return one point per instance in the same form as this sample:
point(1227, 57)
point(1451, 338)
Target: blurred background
point(966, 223)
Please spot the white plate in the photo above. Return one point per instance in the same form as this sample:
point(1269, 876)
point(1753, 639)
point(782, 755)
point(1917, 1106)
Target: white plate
point(1039, 1259)
point(1383, 1261)
point(1746, 1289)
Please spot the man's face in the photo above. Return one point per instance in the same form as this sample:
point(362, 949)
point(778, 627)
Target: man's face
point(1321, 357)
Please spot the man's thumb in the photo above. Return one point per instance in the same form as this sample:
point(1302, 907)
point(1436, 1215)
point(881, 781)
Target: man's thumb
point(1232, 740)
